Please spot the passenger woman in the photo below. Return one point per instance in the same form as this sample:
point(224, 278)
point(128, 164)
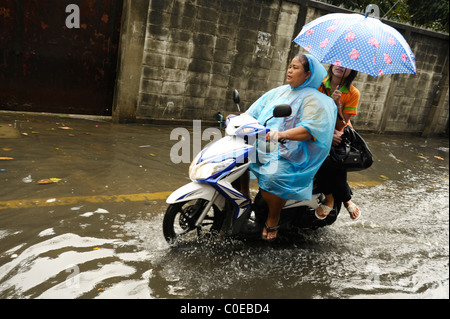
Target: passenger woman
point(330, 180)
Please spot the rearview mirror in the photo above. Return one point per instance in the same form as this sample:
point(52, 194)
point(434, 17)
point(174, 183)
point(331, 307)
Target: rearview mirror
point(237, 100)
point(236, 97)
point(282, 110)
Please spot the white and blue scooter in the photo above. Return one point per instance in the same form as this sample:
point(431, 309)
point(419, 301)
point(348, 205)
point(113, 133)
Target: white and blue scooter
point(212, 203)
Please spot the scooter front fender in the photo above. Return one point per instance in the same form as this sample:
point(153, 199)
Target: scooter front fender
point(194, 191)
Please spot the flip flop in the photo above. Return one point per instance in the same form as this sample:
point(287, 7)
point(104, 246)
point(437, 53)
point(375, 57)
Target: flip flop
point(326, 209)
point(270, 230)
point(351, 209)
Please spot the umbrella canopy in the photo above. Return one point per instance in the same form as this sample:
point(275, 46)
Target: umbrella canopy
point(359, 43)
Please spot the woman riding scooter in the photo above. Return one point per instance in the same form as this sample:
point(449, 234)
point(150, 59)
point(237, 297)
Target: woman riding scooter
point(307, 135)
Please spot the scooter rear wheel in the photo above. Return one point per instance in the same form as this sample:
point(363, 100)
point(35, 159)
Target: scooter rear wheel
point(180, 218)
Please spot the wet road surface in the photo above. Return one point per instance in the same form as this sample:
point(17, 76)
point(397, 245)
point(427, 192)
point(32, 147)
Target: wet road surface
point(96, 231)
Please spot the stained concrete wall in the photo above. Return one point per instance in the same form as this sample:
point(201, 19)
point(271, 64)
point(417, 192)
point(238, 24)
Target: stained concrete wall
point(196, 52)
point(131, 52)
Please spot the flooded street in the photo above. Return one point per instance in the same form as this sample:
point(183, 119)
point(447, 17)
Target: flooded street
point(95, 231)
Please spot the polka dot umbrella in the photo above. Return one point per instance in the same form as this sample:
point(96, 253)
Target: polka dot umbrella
point(357, 42)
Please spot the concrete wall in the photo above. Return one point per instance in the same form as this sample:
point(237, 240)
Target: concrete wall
point(196, 52)
point(131, 52)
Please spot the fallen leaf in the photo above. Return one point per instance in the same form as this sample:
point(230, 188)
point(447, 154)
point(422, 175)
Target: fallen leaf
point(7, 149)
point(383, 176)
point(438, 157)
point(65, 128)
point(424, 157)
point(44, 182)
point(151, 154)
point(25, 134)
point(6, 158)
point(47, 181)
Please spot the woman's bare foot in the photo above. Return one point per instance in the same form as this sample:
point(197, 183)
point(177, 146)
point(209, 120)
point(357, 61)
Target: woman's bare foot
point(269, 233)
point(353, 210)
point(324, 210)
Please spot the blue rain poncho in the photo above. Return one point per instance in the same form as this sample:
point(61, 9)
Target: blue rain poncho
point(288, 172)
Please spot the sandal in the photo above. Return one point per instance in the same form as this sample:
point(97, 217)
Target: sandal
point(353, 208)
point(326, 209)
point(270, 230)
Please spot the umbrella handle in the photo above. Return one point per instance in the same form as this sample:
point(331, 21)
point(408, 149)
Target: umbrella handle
point(342, 80)
point(376, 10)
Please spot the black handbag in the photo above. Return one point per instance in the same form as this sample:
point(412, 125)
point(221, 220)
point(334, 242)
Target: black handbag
point(352, 154)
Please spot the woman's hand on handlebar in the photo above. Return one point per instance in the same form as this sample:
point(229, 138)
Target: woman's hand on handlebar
point(276, 136)
point(294, 134)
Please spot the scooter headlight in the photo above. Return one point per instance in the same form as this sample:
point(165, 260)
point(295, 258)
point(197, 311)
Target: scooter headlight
point(204, 170)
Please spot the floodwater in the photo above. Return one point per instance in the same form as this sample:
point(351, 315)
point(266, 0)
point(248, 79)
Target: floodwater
point(92, 247)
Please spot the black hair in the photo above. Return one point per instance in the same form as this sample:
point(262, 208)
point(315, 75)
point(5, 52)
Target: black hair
point(304, 61)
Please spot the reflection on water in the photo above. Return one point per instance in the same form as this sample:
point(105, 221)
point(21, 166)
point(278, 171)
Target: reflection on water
point(399, 248)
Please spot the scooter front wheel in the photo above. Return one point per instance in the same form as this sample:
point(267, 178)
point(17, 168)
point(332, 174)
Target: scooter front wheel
point(180, 219)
